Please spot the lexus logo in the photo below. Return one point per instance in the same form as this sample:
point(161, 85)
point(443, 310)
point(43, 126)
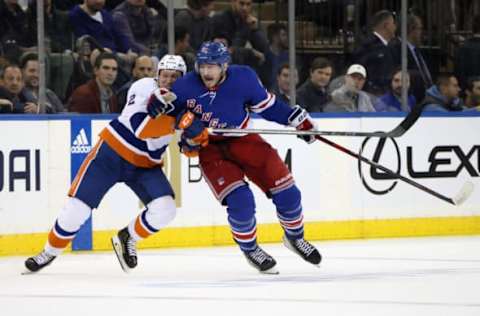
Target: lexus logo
point(444, 161)
point(388, 149)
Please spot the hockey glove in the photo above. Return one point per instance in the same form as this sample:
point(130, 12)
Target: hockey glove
point(193, 129)
point(194, 135)
point(301, 120)
point(160, 102)
point(189, 147)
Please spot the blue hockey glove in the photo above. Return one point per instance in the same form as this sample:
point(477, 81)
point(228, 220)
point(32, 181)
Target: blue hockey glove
point(194, 134)
point(301, 120)
point(193, 128)
point(189, 147)
point(160, 102)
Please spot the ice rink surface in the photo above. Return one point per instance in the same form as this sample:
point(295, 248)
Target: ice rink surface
point(421, 276)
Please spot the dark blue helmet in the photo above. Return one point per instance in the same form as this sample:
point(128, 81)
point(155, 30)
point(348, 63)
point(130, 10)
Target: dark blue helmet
point(212, 53)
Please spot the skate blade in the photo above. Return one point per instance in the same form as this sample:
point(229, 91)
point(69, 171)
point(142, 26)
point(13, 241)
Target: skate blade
point(28, 272)
point(271, 271)
point(117, 247)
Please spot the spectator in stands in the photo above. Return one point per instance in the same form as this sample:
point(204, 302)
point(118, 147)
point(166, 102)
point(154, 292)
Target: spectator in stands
point(6, 104)
point(374, 53)
point(421, 78)
point(239, 55)
point(13, 29)
point(135, 20)
point(467, 61)
point(277, 53)
point(443, 96)
point(282, 90)
point(142, 67)
point(241, 27)
point(97, 96)
point(91, 19)
point(472, 93)
point(182, 47)
point(392, 100)
point(83, 67)
point(58, 32)
point(196, 19)
point(11, 84)
point(312, 95)
point(30, 72)
point(349, 97)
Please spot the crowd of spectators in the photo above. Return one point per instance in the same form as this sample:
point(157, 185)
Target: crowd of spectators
point(96, 49)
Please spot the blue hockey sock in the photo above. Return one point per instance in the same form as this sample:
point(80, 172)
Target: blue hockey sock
point(289, 211)
point(241, 217)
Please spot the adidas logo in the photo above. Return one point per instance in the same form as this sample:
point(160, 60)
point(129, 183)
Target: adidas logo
point(80, 144)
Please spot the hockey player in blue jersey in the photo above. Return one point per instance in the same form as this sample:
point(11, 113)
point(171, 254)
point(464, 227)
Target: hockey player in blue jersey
point(224, 96)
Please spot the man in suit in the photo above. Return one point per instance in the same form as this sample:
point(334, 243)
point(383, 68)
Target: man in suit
point(374, 53)
point(420, 76)
point(97, 95)
point(467, 61)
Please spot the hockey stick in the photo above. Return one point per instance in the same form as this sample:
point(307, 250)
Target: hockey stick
point(458, 199)
point(398, 131)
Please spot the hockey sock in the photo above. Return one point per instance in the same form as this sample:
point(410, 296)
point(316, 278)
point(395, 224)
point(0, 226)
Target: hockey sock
point(244, 233)
point(156, 215)
point(241, 217)
point(68, 223)
point(289, 211)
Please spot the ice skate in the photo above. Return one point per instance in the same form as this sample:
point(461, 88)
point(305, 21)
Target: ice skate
point(261, 261)
point(38, 262)
point(304, 249)
point(126, 249)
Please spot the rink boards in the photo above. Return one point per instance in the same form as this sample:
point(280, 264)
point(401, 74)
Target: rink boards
point(342, 199)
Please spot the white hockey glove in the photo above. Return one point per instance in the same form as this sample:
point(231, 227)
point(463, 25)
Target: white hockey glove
point(160, 102)
point(301, 120)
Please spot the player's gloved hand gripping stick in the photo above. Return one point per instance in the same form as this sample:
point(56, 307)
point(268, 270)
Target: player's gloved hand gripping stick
point(194, 135)
point(301, 120)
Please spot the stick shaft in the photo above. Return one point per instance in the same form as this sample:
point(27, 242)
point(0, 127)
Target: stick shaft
point(398, 131)
point(385, 169)
point(294, 132)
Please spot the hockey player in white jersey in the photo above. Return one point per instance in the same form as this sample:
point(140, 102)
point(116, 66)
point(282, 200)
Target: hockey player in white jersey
point(129, 150)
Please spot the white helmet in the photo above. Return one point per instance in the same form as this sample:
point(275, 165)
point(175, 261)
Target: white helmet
point(172, 62)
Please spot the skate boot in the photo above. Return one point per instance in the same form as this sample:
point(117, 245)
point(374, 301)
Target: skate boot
point(126, 249)
point(261, 261)
point(304, 249)
point(38, 262)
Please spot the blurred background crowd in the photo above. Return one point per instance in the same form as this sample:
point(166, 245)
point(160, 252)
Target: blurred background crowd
point(348, 52)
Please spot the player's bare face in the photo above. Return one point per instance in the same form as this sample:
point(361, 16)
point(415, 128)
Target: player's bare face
point(166, 78)
point(211, 75)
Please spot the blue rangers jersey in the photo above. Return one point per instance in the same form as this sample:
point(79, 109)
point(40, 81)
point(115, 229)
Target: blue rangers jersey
point(230, 104)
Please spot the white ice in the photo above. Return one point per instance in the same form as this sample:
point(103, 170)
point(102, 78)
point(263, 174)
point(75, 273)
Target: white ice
point(421, 276)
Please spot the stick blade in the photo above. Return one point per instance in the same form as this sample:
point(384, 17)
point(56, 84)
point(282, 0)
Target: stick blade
point(464, 193)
